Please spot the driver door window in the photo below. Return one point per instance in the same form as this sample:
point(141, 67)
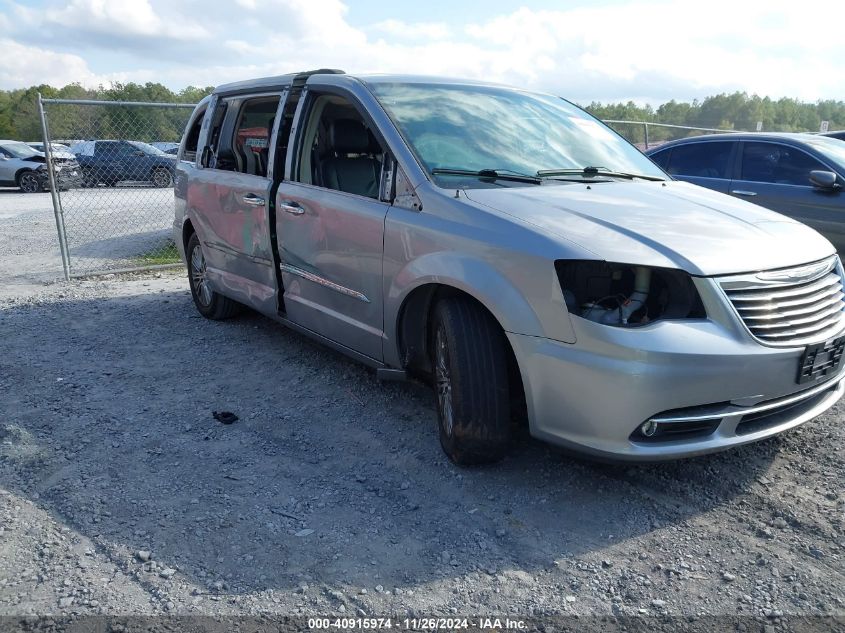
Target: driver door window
point(338, 150)
point(778, 164)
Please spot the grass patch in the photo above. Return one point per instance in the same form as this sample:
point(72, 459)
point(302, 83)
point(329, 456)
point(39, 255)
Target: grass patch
point(164, 254)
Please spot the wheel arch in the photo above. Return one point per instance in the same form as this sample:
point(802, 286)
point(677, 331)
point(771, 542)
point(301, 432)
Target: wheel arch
point(187, 231)
point(20, 172)
point(415, 331)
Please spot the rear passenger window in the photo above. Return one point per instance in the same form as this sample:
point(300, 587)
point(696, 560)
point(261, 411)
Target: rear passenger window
point(708, 159)
point(777, 164)
point(251, 139)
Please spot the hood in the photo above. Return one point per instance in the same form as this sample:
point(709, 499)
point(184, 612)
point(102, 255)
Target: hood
point(670, 225)
point(41, 157)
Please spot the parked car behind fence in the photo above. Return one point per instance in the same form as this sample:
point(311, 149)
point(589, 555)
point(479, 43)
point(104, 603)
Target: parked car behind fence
point(110, 162)
point(799, 175)
point(22, 166)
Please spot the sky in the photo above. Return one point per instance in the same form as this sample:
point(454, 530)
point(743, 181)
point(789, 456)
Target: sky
point(613, 50)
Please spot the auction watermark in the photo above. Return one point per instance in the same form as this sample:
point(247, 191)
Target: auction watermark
point(477, 624)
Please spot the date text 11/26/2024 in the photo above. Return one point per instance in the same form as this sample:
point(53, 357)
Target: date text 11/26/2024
point(417, 624)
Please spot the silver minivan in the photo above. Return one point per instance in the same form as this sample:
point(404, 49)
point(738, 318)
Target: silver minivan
point(515, 253)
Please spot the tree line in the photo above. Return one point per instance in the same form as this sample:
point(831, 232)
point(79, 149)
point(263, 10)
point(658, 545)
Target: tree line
point(737, 111)
point(19, 119)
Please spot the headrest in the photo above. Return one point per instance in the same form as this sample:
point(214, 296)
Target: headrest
point(349, 136)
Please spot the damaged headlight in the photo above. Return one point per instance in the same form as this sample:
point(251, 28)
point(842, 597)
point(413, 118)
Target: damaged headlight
point(627, 295)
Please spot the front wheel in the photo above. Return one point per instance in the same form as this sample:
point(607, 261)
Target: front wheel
point(162, 178)
point(471, 382)
point(210, 304)
point(29, 182)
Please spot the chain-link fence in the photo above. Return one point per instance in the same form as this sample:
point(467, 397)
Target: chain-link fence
point(113, 165)
point(647, 135)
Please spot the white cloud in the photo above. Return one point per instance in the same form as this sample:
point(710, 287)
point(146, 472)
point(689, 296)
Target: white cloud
point(653, 50)
point(24, 66)
point(409, 32)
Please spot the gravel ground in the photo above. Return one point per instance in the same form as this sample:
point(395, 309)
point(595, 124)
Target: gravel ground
point(121, 494)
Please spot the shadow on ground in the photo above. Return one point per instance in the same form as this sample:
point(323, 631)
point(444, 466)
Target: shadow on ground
point(327, 477)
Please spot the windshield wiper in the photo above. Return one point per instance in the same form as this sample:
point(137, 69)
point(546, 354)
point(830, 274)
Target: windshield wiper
point(594, 171)
point(491, 174)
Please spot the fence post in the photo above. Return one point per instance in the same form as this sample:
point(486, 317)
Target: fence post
point(645, 127)
point(54, 193)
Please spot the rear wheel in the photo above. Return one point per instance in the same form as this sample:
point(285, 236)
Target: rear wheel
point(210, 304)
point(162, 178)
point(29, 182)
point(471, 382)
point(89, 178)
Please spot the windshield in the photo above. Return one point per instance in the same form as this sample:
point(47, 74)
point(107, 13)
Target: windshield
point(20, 150)
point(489, 128)
point(147, 148)
point(832, 148)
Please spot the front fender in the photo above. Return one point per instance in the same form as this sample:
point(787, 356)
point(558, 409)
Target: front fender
point(511, 305)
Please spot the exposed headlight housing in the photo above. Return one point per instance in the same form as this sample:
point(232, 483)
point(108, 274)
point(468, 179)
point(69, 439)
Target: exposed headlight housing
point(627, 295)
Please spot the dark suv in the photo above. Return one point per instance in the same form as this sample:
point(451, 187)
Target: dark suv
point(111, 162)
point(799, 175)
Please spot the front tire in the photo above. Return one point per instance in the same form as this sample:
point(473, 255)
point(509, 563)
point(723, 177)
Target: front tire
point(210, 304)
point(29, 182)
point(471, 382)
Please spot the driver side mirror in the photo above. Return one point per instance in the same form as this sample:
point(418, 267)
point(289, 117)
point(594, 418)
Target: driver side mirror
point(824, 179)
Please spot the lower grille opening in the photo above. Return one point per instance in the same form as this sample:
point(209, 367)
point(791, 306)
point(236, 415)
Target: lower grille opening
point(763, 420)
point(674, 431)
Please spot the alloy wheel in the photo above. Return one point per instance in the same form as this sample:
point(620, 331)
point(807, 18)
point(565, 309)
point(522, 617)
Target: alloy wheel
point(29, 183)
point(199, 278)
point(162, 178)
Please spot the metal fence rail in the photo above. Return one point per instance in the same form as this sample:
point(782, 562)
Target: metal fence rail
point(643, 133)
point(113, 192)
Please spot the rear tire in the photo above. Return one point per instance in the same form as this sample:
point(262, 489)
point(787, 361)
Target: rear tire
point(210, 304)
point(469, 356)
point(29, 182)
point(89, 178)
point(161, 178)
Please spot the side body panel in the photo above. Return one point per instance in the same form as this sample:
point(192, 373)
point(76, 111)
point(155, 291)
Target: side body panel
point(508, 269)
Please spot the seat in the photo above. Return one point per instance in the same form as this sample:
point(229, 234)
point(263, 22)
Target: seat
point(351, 165)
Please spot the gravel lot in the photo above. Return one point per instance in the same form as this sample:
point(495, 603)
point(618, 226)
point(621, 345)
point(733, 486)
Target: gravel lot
point(120, 494)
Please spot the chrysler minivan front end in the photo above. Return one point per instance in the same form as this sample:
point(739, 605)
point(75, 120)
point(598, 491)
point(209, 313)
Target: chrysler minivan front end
point(696, 322)
point(762, 356)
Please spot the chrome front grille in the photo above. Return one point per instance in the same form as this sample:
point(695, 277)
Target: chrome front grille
point(790, 307)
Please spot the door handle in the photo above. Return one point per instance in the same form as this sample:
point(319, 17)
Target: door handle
point(743, 192)
point(253, 200)
point(291, 207)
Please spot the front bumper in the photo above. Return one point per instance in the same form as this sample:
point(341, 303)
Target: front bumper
point(65, 179)
point(593, 395)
